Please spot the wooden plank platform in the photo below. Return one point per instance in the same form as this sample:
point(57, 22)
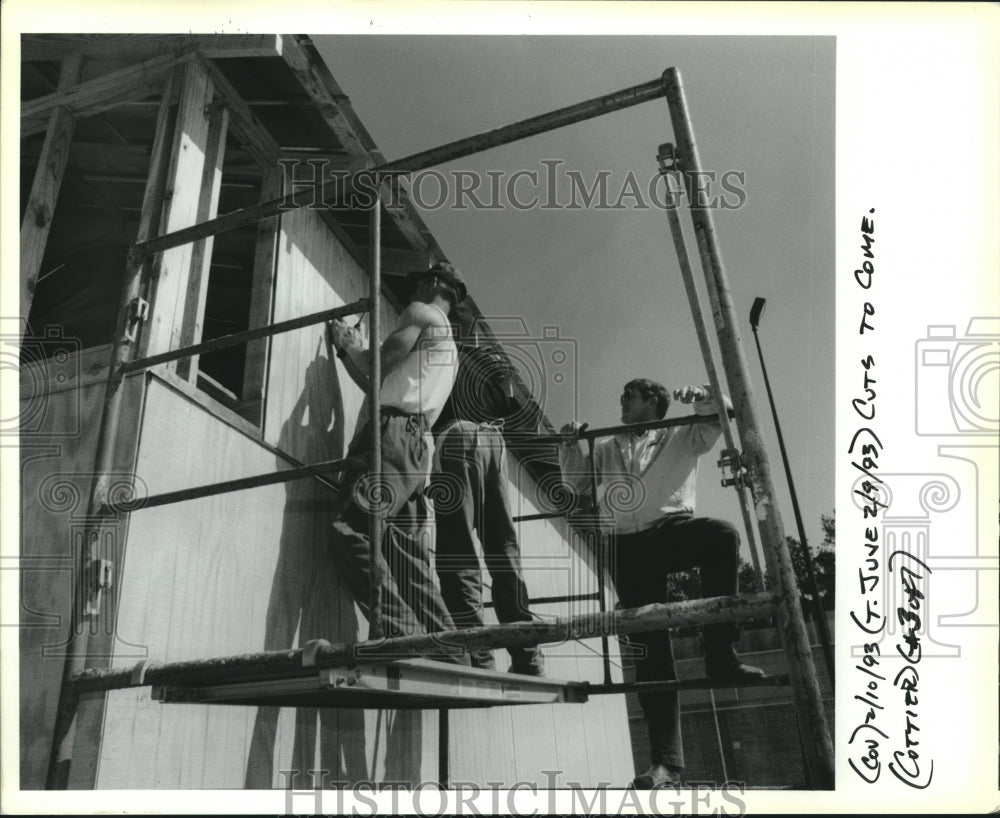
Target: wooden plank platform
point(412, 684)
point(403, 684)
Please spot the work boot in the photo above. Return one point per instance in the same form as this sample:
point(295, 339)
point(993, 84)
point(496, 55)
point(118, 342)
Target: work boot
point(482, 659)
point(657, 776)
point(527, 662)
point(723, 664)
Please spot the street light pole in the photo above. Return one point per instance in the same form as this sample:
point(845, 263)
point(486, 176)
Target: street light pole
point(824, 634)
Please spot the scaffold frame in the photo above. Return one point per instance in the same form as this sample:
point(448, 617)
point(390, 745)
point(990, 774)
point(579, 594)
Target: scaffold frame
point(782, 600)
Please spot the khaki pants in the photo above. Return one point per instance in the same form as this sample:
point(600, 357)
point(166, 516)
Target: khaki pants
point(471, 507)
point(411, 600)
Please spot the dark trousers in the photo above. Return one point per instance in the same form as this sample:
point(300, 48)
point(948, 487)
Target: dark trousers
point(639, 565)
point(471, 506)
point(411, 601)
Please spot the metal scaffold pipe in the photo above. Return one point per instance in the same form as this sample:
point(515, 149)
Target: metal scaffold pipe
point(819, 614)
point(653, 617)
point(317, 470)
point(236, 338)
point(586, 433)
point(338, 189)
point(680, 245)
point(604, 553)
point(805, 686)
point(375, 523)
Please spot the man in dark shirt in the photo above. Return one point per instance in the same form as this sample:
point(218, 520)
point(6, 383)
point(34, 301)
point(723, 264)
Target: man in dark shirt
point(469, 487)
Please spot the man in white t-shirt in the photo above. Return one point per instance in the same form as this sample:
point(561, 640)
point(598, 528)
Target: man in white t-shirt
point(419, 362)
point(649, 479)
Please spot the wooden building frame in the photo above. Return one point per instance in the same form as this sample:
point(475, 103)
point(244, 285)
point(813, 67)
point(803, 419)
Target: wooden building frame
point(173, 263)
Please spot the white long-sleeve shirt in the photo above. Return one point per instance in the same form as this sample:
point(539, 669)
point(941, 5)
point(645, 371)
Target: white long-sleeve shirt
point(643, 478)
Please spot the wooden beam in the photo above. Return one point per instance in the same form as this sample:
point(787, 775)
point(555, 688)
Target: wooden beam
point(335, 108)
point(80, 182)
point(192, 318)
point(94, 232)
point(316, 80)
point(45, 187)
point(321, 654)
point(330, 162)
point(120, 418)
point(261, 305)
point(256, 139)
point(99, 94)
point(144, 46)
point(156, 174)
point(170, 277)
point(407, 218)
point(99, 159)
point(560, 118)
point(395, 261)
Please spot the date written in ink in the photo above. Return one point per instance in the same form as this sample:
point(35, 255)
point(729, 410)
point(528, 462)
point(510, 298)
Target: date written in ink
point(907, 764)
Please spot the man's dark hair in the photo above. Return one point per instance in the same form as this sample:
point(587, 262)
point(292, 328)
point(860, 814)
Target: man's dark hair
point(447, 292)
point(651, 389)
point(450, 287)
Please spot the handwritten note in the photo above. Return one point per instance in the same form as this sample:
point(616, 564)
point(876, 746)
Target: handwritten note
point(889, 716)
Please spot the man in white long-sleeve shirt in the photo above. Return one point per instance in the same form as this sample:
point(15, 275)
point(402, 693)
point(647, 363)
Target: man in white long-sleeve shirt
point(649, 479)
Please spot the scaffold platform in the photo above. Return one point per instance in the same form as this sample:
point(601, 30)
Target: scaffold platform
point(413, 684)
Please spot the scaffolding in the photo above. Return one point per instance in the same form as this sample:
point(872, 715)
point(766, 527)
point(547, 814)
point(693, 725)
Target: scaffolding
point(378, 672)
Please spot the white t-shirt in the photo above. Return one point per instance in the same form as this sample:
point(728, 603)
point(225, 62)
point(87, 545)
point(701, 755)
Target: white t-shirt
point(423, 381)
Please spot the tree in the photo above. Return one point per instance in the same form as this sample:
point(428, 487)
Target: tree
point(824, 566)
point(684, 585)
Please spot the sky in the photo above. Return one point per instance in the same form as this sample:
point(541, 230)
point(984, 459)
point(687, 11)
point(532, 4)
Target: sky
point(608, 278)
point(914, 80)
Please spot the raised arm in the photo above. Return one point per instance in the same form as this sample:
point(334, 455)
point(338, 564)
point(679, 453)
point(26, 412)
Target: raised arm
point(574, 464)
point(702, 436)
point(416, 320)
point(343, 338)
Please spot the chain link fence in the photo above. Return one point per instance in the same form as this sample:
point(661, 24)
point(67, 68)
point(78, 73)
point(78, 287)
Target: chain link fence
point(746, 735)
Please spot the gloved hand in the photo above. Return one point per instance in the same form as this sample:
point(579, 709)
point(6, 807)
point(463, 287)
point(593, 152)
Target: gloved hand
point(571, 432)
point(693, 394)
point(342, 335)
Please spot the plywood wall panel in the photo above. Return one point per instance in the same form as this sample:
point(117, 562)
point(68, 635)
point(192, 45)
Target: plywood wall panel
point(183, 193)
point(48, 564)
point(60, 414)
point(584, 743)
point(314, 272)
point(251, 570)
point(242, 572)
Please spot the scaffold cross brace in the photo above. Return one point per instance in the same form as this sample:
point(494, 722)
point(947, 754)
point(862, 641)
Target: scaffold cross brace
point(138, 311)
point(666, 155)
point(731, 460)
point(311, 650)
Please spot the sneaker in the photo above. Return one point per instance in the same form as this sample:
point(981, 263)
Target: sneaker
point(527, 663)
point(656, 776)
point(725, 666)
point(483, 660)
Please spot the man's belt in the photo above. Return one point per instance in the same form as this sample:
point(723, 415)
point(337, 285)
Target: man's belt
point(495, 425)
